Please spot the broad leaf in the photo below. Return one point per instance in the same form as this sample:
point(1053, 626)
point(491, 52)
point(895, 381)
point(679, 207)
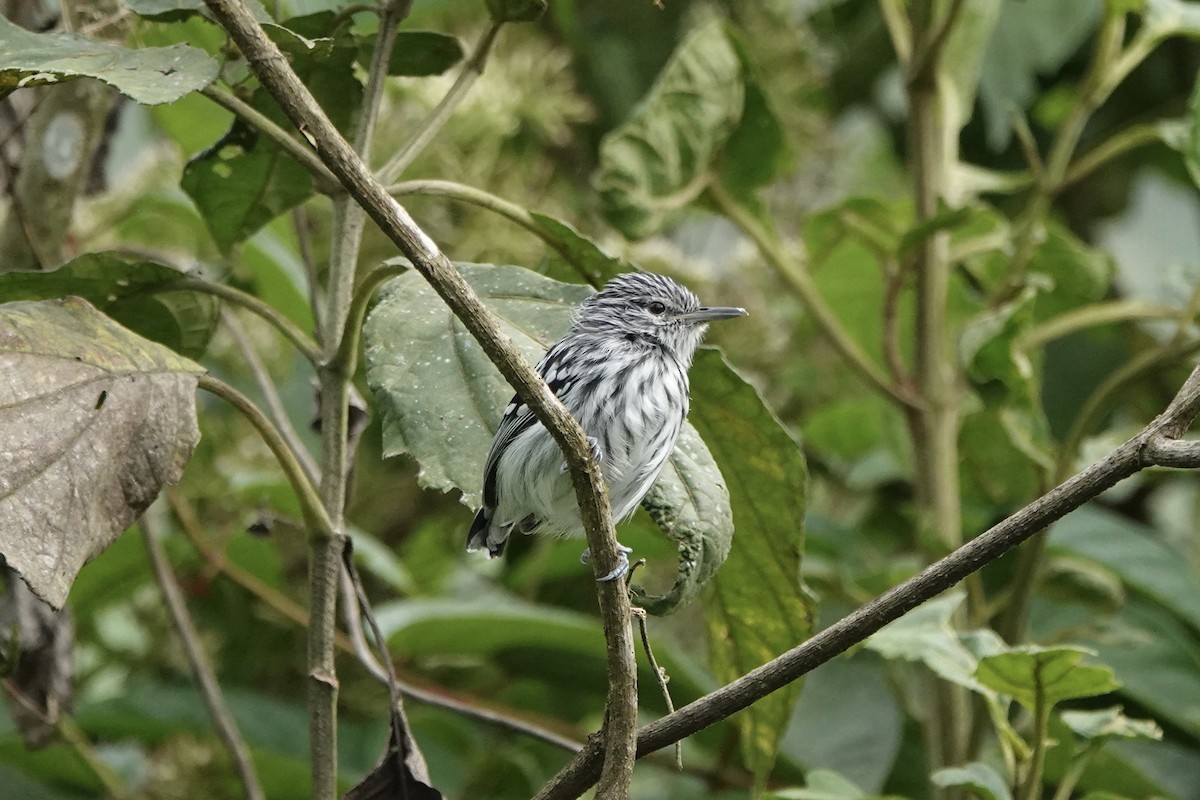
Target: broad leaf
point(582, 256)
point(757, 606)
point(822, 785)
point(150, 75)
point(927, 635)
point(417, 54)
point(126, 289)
point(1110, 722)
point(660, 159)
point(245, 180)
point(1044, 675)
point(979, 779)
point(516, 10)
point(450, 438)
point(94, 421)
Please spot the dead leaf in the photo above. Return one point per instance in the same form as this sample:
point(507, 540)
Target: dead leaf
point(94, 419)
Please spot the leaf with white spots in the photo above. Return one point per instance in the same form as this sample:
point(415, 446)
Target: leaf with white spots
point(94, 420)
point(441, 399)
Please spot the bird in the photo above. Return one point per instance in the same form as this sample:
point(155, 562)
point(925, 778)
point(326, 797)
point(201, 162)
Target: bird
point(622, 372)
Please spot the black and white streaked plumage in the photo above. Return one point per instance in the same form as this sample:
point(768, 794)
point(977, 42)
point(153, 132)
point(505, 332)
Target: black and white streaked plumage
point(621, 370)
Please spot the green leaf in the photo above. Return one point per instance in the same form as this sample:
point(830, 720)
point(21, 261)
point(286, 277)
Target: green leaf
point(690, 503)
point(757, 150)
point(450, 439)
point(415, 349)
point(417, 54)
point(245, 180)
point(1030, 40)
point(1051, 674)
point(1131, 550)
point(125, 289)
point(757, 606)
point(581, 253)
point(927, 635)
point(150, 75)
point(822, 785)
point(962, 60)
point(1109, 723)
point(1189, 143)
point(661, 158)
point(516, 10)
point(101, 418)
point(979, 779)
point(178, 10)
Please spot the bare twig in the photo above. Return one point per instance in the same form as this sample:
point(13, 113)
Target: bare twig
point(270, 67)
point(202, 671)
point(1155, 445)
point(660, 674)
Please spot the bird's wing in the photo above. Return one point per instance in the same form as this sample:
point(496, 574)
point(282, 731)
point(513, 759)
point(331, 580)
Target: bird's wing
point(518, 418)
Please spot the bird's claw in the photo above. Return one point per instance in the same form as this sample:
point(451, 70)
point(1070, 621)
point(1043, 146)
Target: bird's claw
point(597, 453)
point(622, 562)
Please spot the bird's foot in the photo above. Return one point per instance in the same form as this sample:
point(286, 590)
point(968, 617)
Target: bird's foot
point(622, 562)
point(597, 453)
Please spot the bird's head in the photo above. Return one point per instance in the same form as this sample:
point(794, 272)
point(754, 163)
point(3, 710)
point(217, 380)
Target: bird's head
point(653, 309)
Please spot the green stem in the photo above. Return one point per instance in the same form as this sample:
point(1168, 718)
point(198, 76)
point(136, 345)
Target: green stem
point(433, 123)
point(802, 283)
point(315, 518)
point(305, 156)
point(505, 208)
point(1091, 316)
point(1110, 149)
point(1032, 788)
point(290, 330)
point(346, 359)
point(70, 731)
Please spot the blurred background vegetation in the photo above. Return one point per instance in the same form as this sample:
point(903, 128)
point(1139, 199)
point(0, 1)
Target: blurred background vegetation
point(1114, 251)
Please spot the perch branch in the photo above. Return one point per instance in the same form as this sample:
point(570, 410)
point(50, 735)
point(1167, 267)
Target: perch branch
point(1158, 444)
point(271, 68)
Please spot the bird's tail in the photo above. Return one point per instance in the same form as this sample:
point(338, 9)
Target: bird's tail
point(485, 535)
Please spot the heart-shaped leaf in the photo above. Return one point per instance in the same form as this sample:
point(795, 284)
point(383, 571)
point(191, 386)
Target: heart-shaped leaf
point(93, 421)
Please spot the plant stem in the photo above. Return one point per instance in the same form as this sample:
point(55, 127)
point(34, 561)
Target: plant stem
point(429, 127)
point(315, 518)
point(1032, 788)
point(202, 671)
point(323, 179)
point(290, 330)
point(801, 282)
point(1105, 313)
point(271, 69)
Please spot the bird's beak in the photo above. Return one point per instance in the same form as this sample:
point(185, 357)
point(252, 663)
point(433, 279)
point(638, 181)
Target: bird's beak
point(710, 314)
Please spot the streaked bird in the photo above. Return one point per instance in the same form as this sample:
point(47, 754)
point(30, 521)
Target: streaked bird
point(622, 371)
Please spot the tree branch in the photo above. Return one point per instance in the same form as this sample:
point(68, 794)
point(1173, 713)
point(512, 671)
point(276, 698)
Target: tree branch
point(271, 68)
point(1157, 444)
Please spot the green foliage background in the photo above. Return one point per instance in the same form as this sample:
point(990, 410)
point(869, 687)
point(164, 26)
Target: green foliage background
point(680, 139)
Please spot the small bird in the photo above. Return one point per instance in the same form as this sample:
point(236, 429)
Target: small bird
point(622, 372)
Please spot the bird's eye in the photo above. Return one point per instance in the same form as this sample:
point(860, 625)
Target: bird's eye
point(657, 307)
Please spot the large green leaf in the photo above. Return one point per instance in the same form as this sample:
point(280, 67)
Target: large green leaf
point(415, 349)
point(1044, 676)
point(245, 180)
point(94, 420)
point(126, 289)
point(150, 75)
point(1130, 550)
point(981, 780)
point(757, 606)
point(416, 53)
point(662, 157)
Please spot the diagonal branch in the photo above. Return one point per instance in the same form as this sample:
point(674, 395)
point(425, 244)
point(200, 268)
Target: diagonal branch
point(1158, 444)
point(271, 68)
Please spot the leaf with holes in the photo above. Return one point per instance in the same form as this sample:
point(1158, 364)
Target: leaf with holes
point(93, 421)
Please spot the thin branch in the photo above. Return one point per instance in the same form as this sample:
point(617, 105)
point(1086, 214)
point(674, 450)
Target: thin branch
point(1134, 455)
point(266, 385)
point(898, 29)
point(290, 330)
point(202, 671)
point(304, 245)
point(315, 517)
point(805, 288)
point(270, 67)
point(1105, 313)
point(1110, 149)
point(429, 127)
point(305, 157)
point(347, 356)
